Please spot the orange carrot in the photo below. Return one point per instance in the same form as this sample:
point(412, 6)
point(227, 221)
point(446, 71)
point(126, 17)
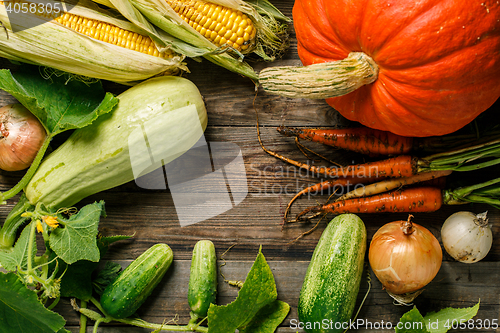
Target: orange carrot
point(360, 139)
point(400, 166)
point(393, 183)
point(410, 200)
point(439, 182)
point(344, 182)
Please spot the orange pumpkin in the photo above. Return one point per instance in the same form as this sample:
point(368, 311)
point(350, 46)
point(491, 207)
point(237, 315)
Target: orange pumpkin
point(438, 61)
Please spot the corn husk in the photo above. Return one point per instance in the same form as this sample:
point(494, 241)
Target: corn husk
point(270, 23)
point(48, 43)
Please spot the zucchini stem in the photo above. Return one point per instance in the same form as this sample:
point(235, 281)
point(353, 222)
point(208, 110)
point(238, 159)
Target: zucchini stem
point(191, 327)
point(29, 174)
point(14, 220)
point(54, 303)
point(83, 318)
point(30, 246)
point(96, 324)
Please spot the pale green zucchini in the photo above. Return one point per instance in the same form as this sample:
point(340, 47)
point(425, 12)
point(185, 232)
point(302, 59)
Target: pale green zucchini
point(332, 280)
point(168, 110)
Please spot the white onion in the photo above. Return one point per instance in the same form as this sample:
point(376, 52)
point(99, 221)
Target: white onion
point(21, 136)
point(467, 237)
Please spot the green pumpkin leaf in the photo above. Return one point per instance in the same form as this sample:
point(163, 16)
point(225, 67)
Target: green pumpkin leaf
point(268, 318)
point(445, 319)
point(21, 311)
point(411, 322)
point(258, 291)
point(435, 322)
point(18, 257)
point(75, 238)
point(77, 280)
point(59, 102)
point(105, 276)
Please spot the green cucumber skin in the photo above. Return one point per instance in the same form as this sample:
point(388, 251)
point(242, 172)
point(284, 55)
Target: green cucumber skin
point(97, 157)
point(202, 289)
point(130, 289)
point(333, 278)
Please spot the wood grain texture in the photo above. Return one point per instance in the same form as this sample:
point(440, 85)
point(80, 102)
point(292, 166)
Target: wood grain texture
point(169, 298)
point(232, 102)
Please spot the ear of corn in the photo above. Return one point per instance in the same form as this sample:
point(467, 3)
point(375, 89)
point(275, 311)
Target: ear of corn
point(222, 26)
point(163, 40)
point(109, 33)
point(223, 31)
point(86, 42)
point(266, 25)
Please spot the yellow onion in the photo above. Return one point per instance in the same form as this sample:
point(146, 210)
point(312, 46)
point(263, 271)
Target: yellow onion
point(404, 256)
point(21, 136)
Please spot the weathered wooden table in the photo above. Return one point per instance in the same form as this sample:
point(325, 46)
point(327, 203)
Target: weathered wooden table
point(232, 103)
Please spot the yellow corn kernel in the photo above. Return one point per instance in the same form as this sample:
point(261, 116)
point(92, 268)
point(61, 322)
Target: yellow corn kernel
point(189, 13)
point(104, 32)
point(222, 31)
point(222, 26)
point(240, 32)
point(212, 26)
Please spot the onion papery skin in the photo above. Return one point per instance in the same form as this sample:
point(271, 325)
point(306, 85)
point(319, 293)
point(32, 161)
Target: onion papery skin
point(404, 263)
point(21, 136)
point(465, 240)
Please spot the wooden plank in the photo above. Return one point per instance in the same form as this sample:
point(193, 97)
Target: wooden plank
point(232, 102)
point(456, 285)
point(151, 215)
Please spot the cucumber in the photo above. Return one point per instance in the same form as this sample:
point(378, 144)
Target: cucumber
point(121, 298)
point(158, 119)
point(202, 289)
point(332, 280)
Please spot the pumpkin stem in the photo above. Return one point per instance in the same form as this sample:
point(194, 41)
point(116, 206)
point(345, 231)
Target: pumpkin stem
point(320, 81)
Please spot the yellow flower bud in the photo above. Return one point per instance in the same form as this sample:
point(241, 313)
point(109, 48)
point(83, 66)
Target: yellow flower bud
point(51, 221)
point(39, 226)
